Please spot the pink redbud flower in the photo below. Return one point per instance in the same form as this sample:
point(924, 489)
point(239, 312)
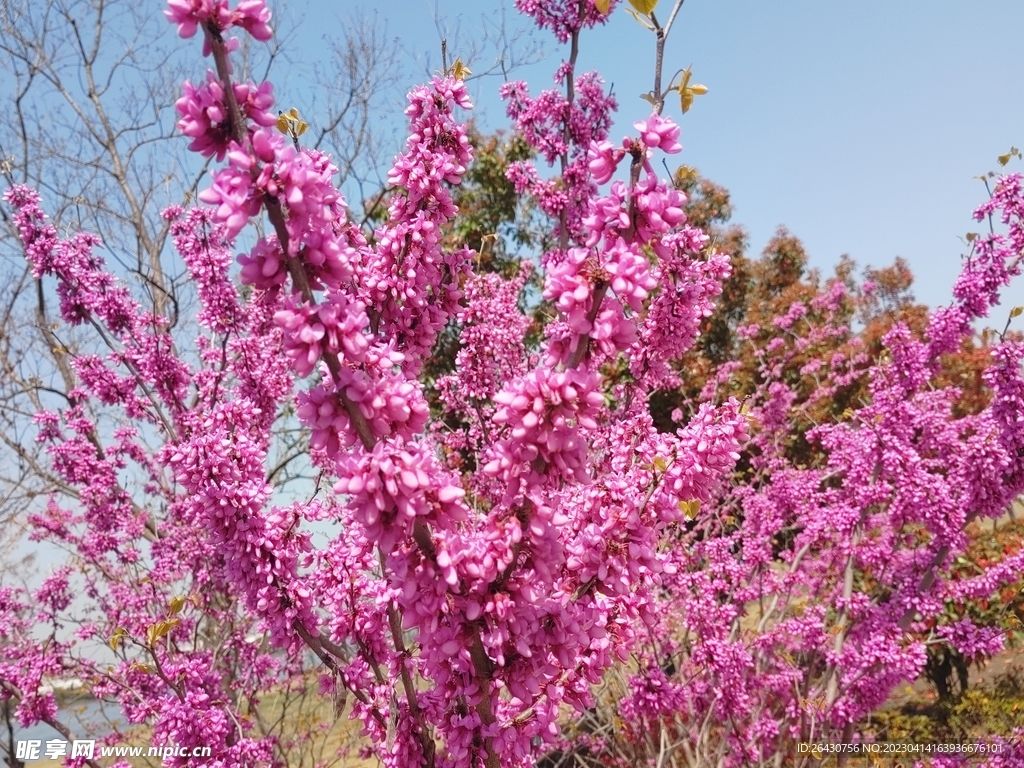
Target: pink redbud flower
point(658, 209)
point(264, 267)
point(394, 484)
point(233, 195)
point(204, 116)
point(631, 278)
point(189, 14)
point(603, 159)
point(253, 16)
point(570, 285)
point(334, 326)
point(659, 132)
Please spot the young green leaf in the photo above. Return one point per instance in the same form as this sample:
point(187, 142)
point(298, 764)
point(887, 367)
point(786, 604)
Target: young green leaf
point(644, 6)
point(642, 19)
point(459, 70)
point(690, 508)
point(687, 92)
point(115, 640)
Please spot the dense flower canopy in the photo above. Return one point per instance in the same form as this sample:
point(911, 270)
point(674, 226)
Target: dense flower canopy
point(498, 549)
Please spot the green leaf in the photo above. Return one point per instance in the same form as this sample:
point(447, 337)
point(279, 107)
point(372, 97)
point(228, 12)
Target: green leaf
point(644, 6)
point(687, 91)
point(690, 508)
point(643, 20)
point(1016, 311)
point(602, 5)
point(115, 640)
point(160, 629)
point(459, 70)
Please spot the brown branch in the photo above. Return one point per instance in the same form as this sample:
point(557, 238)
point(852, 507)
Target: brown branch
point(927, 580)
point(58, 726)
point(570, 96)
point(316, 644)
point(584, 343)
point(300, 279)
point(484, 708)
point(662, 35)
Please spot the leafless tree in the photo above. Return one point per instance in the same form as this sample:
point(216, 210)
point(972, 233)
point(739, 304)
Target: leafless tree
point(89, 90)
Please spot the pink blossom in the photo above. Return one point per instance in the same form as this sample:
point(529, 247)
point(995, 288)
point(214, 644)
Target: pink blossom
point(333, 327)
point(604, 158)
point(659, 132)
point(204, 115)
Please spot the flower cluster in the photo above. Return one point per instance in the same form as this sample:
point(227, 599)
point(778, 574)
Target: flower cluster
point(562, 130)
point(410, 284)
point(205, 116)
point(501, 536)
point(387, 402)
point(390, 487)
point(207, 255)
point(565, 19)
point(221, 470)
point(543, 413)
point(215, 17)
point(334, 327)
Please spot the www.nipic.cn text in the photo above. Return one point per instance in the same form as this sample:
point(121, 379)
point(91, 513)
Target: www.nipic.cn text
point(52, 749)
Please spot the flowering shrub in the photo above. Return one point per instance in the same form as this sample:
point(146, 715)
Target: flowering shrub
point(484, 577)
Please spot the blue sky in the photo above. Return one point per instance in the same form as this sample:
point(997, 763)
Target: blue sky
point(859, 126)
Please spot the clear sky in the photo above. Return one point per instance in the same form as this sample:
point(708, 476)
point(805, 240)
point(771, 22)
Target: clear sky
point(858, 125)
